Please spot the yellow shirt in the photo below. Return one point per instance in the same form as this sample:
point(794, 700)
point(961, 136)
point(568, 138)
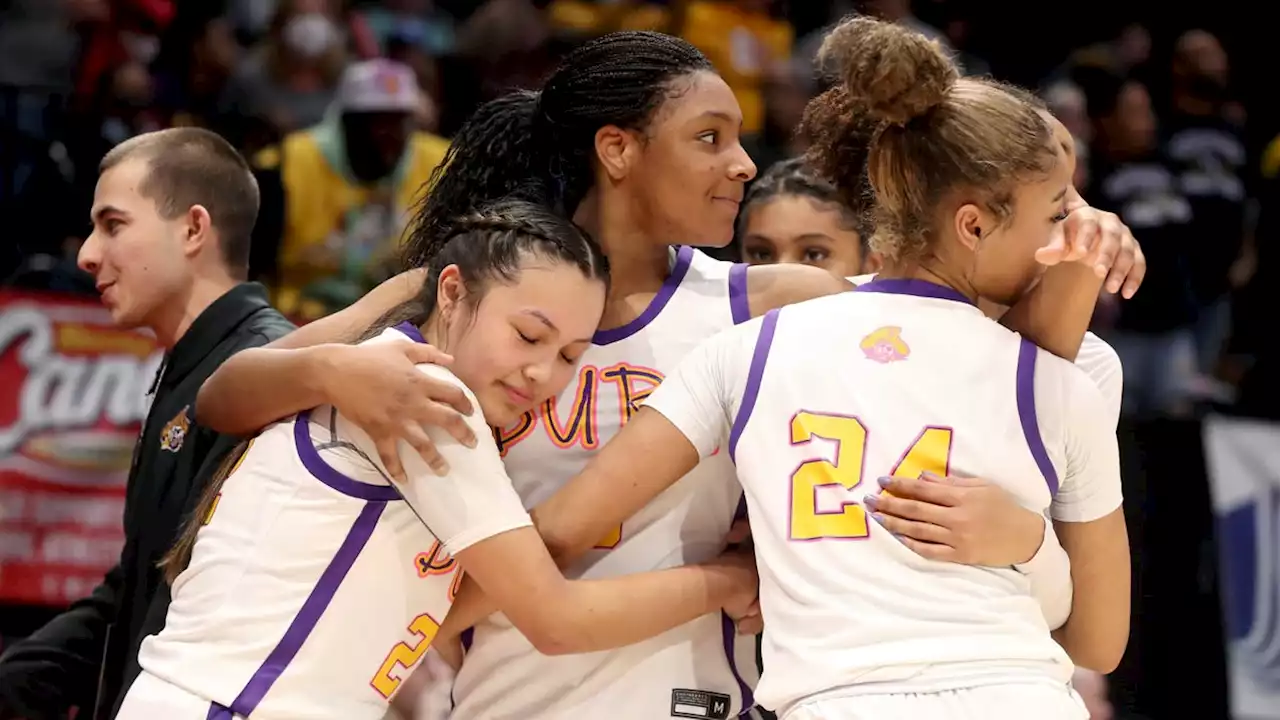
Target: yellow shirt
point(593, 17)
point(742, 44)
point(320, 202)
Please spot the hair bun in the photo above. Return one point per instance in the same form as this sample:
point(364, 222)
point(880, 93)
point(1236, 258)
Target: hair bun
point(895, 73)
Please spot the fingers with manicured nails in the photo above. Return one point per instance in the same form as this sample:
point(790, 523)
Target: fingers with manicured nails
point(931, 551)
point(922, 531)
point(907, 508)
point(936, 493)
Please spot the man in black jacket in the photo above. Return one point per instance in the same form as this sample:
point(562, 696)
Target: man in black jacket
point(172, 217)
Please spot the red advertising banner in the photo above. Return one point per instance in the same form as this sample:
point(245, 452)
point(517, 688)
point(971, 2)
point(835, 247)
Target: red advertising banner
point(73, 395)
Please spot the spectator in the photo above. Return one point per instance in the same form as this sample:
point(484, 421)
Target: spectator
point(431, 31)
point(1153, 334)
point(290, 77)
point(336, 196)
point(1066, 101)
point(38, 49)
point(196, 60)
point(1206, 145)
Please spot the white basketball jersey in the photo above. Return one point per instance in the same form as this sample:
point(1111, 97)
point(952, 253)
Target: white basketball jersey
point(314, 587)
point(899, 377)
point(1096, 358)
point(699, 670)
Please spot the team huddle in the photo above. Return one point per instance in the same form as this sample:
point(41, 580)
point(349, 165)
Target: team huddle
point(564, 550)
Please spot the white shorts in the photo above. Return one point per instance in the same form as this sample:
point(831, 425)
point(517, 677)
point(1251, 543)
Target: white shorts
point(1010, 701)
point(150, 698)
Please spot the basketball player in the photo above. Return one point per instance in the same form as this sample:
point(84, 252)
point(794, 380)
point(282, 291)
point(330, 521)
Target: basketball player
point(831, 140)
point(307, 533)
point(637, 136)
point(906, 374)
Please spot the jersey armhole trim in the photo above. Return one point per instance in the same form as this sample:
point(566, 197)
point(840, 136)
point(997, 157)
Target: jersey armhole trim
point(325, 473)
point(739, 302)
point(1026, 389)
point(754, 376)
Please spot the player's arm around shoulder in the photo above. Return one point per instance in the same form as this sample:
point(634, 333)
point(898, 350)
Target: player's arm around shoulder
point(773, 286)
point(1089, 520)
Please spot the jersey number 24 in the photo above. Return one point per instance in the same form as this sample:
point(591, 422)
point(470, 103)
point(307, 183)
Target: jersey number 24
point(930, 452)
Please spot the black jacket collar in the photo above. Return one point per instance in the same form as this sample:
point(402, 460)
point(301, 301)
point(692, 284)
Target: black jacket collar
point(217, 321)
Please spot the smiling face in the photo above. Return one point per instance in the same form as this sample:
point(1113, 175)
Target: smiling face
point(688, 169)
point(519, 343)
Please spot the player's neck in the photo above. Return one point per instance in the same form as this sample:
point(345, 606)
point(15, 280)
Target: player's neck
point(928, 273)
point(637, 262)
point(172, 321)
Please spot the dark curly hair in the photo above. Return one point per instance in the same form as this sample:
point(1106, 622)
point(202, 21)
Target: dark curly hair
point(539, 146)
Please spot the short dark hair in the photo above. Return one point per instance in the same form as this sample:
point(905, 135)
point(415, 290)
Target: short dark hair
point(540, 146)
point(193, 166)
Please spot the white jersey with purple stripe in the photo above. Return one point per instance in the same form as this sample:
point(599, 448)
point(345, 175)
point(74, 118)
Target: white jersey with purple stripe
point(315, 585)
point(699, 670)
point(899, 377)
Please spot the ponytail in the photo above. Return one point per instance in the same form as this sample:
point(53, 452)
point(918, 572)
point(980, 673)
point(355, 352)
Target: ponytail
point(179, 556)
point(499, 153)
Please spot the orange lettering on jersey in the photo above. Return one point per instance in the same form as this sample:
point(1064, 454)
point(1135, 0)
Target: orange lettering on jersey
point(434, 561)
point(581, 427)
point(506, 438)
point(634, 384)
point(885, 345)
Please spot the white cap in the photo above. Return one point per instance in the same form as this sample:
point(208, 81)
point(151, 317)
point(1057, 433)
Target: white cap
point(378, 85)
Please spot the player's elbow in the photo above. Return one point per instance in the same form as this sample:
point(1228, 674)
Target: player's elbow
point(560, 545)
point(1103, 658)
point(557, 635)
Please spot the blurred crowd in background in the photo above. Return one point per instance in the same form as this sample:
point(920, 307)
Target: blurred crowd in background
point(345, 108)
point(1163, 128)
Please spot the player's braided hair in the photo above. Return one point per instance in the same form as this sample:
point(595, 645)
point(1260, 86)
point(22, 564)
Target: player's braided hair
point(540, 146)
point(797, 177)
